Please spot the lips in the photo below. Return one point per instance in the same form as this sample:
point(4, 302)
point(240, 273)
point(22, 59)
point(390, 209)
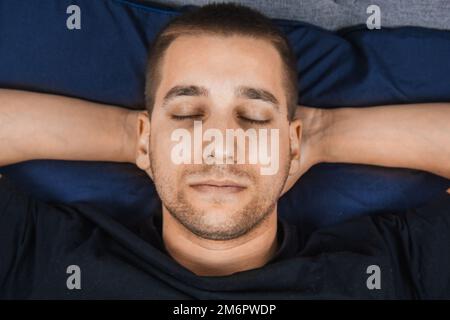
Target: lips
point(224, 186)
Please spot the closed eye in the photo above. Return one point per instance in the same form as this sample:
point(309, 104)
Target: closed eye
point(253, 121)
point(193, 116)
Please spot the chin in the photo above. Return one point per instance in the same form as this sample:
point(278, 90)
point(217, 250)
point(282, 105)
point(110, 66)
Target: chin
point(219, 217)
point(219, 232)
point(224, 223)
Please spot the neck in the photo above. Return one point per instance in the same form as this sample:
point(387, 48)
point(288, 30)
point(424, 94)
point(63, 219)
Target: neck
point(206, 257)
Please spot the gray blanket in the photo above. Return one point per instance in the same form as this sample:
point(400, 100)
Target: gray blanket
point(333, 15)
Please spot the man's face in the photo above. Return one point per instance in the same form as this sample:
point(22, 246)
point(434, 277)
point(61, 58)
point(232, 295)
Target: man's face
point(200, 81)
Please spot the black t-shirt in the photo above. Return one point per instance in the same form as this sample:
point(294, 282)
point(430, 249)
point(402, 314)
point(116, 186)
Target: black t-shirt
point(386, 256)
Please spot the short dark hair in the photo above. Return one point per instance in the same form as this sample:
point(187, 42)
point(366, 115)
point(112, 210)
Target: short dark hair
point(223, 19)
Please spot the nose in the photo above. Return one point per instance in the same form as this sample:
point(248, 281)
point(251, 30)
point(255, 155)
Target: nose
point(220, 154)
point(220, 149)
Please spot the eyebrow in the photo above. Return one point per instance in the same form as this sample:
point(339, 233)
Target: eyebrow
point(180, 91)
point(257, 94)
point(240, 92)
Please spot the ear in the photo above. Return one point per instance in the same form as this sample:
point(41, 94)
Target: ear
point(143, 143)
point(295, 139)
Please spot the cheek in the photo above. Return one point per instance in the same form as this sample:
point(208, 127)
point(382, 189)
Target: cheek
point(272, 183)
point(276, 157)
point(162, 165)
point(161, 142)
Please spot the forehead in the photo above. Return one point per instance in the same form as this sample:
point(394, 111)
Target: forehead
point(221, 63)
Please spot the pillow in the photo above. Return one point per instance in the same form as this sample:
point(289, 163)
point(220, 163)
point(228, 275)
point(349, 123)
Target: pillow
point(105, 61)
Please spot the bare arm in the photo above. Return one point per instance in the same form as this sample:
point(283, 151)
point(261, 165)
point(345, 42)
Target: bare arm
point(43, 126)
point(405, 136)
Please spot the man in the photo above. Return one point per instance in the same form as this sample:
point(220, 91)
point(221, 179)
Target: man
point(218, 234)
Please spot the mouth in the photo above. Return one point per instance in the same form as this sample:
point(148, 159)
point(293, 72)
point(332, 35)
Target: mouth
point(220, 186)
